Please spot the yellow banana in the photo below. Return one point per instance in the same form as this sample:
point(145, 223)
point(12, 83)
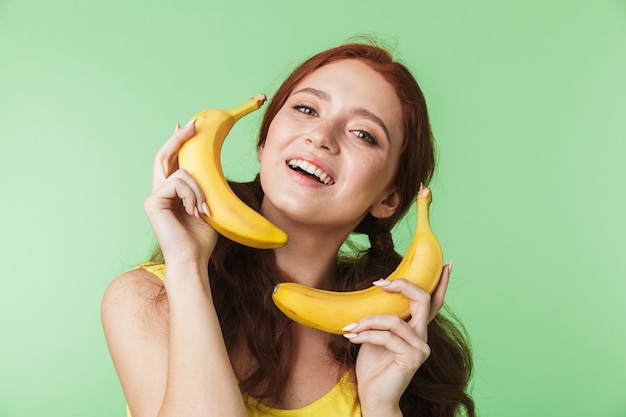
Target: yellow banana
point(330, 311)
point(200, 156)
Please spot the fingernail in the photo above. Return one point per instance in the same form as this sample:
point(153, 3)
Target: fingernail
point(192, 121)
point(450, 266)
point(196, 212)
point(205, 208)
point(381, 282)
point(349, 335)
point(349, 327)
point(177, 128)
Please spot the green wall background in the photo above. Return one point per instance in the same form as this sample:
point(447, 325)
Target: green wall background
point(528, 105)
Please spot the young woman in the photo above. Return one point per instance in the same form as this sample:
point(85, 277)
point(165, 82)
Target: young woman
point(203, 338)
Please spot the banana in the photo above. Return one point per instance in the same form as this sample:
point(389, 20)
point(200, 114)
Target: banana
point(200, 156)
point(330, 311)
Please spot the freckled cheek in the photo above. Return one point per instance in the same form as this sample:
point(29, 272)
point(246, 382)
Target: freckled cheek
point(280, 133)
point(374, 171)
point(387, 172)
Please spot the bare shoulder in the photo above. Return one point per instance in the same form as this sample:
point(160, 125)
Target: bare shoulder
point(135, 319)
point(134, 308)
point(135, 292)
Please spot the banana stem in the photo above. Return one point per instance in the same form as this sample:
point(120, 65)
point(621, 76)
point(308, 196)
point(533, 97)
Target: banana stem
point(260, 98)
point(248, 107)
point(424, 198)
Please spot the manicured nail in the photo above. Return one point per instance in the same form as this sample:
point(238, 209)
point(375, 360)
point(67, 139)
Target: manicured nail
point(350, 335)
point(192, 121)
point(205, 208)
point(350, 327)
point(450, 266)
point(196, 212)
point(381, 282)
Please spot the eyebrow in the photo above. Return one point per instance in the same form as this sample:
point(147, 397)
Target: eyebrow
point(359, 111)
point(319, 93)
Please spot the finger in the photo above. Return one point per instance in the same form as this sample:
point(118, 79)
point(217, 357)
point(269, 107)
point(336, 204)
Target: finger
point(166, 155)
point(166, 159)
point(419, 306)
point(176, 193)
point(411, 354)
point(387, 323)
point(391, 342)
point(405, 287)
point(198, 202)
point(439, 294)
point(180, 189)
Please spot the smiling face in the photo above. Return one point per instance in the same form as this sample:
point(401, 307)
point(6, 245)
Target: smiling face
point(332, 150)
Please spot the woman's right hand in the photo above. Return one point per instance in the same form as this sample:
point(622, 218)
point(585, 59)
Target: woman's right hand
point(175, 204)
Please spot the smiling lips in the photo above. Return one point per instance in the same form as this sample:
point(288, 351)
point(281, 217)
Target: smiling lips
point(311, 170)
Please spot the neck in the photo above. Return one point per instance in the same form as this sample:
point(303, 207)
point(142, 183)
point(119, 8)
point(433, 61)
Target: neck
point(310, 256)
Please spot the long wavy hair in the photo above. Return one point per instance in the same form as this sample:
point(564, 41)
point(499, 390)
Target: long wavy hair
point(242, 278)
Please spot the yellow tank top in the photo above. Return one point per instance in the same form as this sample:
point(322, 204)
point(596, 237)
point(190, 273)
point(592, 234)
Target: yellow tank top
point(340, 401)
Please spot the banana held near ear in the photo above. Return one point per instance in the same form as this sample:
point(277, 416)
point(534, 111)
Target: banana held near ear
point(330, 311)
point(200, 156)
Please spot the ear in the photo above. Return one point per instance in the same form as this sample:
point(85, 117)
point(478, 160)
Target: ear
point(388, 205)
point(259, 152)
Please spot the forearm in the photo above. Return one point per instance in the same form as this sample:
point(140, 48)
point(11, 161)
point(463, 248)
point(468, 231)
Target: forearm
point(200, 380)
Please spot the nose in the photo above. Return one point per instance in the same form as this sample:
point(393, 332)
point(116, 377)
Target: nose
point(325, 136)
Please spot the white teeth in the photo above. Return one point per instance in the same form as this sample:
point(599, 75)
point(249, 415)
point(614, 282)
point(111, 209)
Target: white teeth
point(311, 169)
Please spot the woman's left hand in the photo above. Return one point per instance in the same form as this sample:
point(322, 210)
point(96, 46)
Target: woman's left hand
point(392, 349)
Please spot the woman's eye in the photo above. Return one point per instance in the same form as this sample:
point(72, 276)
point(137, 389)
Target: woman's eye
point(305, 109)
point(366, 136)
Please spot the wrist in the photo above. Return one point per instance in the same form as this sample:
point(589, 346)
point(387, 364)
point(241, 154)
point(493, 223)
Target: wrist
point(376, 410)
point(179, 276)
